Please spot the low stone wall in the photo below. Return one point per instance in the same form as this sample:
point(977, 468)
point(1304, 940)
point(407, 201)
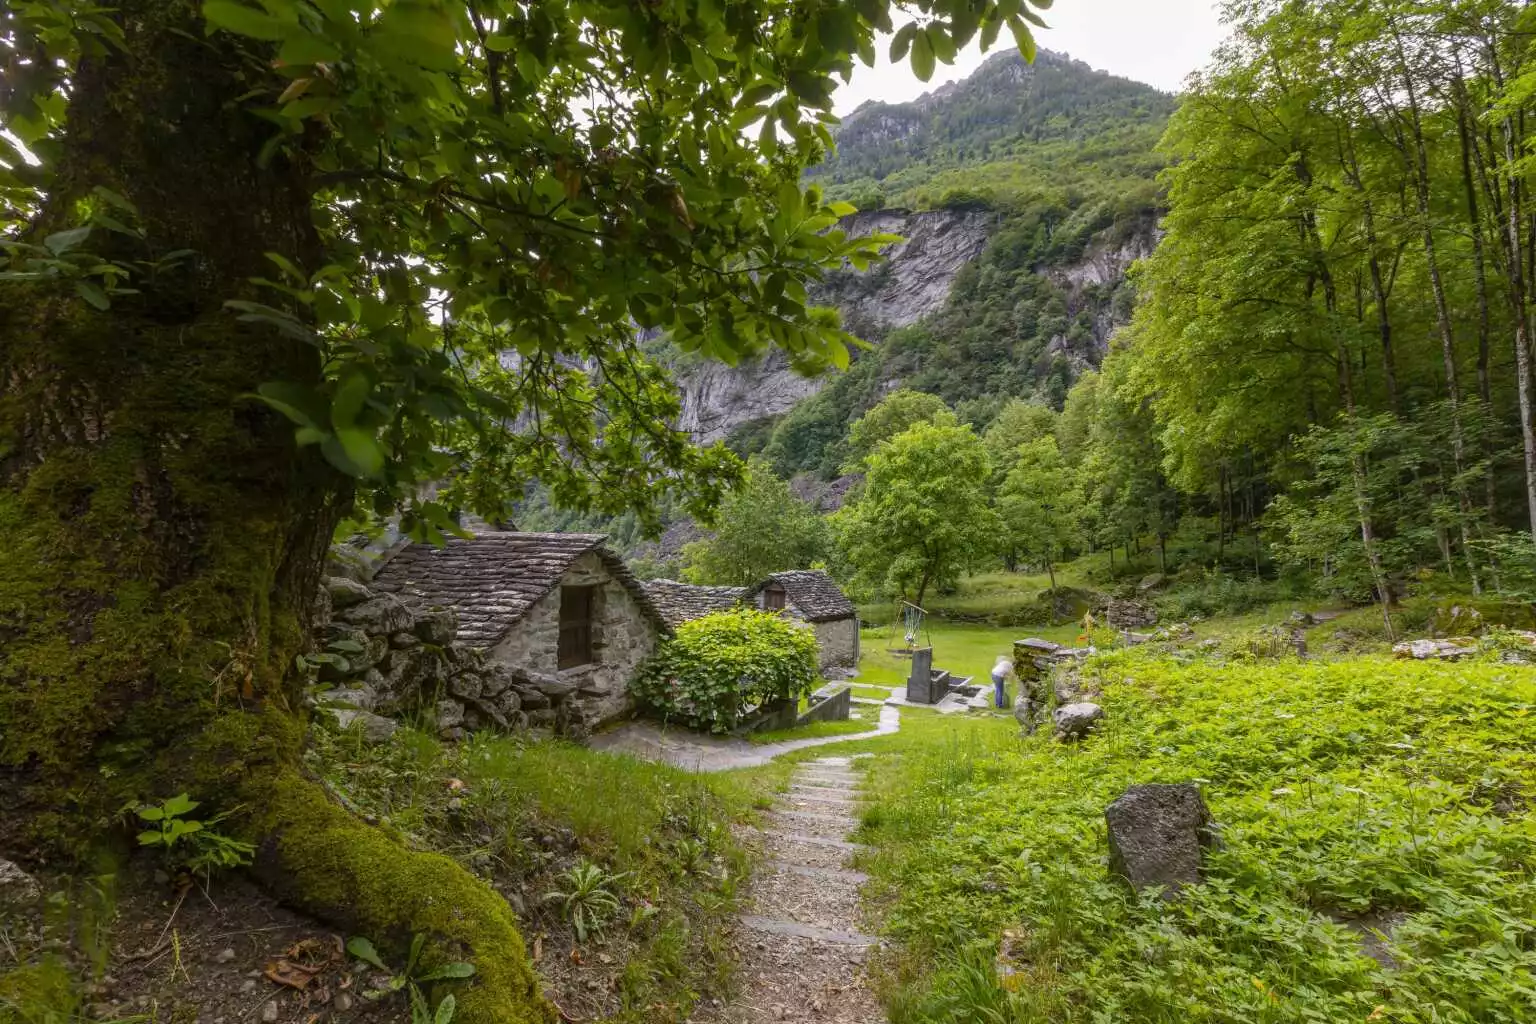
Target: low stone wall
point(834, 708)
point(386, 659)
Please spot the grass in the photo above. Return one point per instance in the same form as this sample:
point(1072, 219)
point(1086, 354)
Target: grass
point(871, 692)
point(960, 648)
point(523, 814)
point(1343, 788)
point(815, 730)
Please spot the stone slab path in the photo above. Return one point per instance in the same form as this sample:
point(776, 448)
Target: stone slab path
point(698, 753)
point(800, 953)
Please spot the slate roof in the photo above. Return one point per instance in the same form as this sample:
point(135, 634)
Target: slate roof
point(812, 592)
point(492, 579)
point(682, 602)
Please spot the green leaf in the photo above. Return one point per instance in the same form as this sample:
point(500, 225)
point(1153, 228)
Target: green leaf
point(1023, 37)
point(180, 804)
point(364, 951)
point(351, 395)
point(922, 57)
point(243, 20)
point(150, 813)
point(903, 42)
point(91, 292)
point(454, 970)
point(296, 402)
point(444, 1010)
point(60, 242)
point(355, 451)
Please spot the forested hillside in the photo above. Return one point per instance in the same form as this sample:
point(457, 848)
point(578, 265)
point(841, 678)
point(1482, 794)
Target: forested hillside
point(1324, 367)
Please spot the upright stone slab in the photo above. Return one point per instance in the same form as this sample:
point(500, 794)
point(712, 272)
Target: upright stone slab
point(1158, 835)
point(920, 681)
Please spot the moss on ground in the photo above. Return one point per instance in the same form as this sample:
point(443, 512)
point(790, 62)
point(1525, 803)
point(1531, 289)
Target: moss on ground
point(328, 861)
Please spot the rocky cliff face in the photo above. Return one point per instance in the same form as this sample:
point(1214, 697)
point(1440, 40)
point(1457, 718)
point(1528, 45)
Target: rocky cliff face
point(914, 280)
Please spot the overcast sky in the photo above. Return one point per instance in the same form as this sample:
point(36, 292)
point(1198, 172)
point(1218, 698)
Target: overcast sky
point(1152, 41)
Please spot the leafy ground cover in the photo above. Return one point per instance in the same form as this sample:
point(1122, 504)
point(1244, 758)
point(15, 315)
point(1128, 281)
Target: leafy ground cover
point(1360, 792)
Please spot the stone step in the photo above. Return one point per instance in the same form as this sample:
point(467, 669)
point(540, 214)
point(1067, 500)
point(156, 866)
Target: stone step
point(819, 779)
point(787, 850)
point(789, 896)
point(833, 936)
point(816, 872)
point(820, 803)
point(810, 840)
point(784, 978)
point(820, 825)
point(823, 787)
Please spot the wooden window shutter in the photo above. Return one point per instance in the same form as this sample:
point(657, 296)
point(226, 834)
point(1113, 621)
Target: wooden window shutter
point(576, 626)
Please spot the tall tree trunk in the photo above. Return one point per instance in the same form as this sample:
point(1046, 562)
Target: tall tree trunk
point(1420, 160)
point(1480, 277)
point(165, 538)
point(1522, 341)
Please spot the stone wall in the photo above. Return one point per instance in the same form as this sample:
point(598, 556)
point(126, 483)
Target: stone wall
point(839, 640)
point(623, 637)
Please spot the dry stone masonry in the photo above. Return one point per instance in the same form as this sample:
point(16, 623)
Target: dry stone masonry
point(385, 659)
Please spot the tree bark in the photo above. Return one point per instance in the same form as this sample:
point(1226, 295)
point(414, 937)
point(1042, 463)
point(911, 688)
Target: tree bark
point(165, 537)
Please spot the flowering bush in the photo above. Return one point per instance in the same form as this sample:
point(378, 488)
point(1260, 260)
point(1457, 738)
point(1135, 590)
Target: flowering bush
point(719, 667)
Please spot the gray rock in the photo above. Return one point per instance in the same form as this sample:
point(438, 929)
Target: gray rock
point(1158, 835)
point(373, 728)
point(437, 626)
point(359, 697)
point(541, 719)
point(478, 713)
point(532, 700)
point(495, 680)
point(375, 650)
point(346, 593)
point(404, 641)
point(1075, 721)
point(385, 613)
point(554, 688)
point(450, 715)
point(17, 888)
point(467, 685)
point(506, 702)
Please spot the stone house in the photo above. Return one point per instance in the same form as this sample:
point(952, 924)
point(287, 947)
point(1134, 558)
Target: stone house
point(808, 595)
point(684, 602)
point(557, 607)
point(811, 596)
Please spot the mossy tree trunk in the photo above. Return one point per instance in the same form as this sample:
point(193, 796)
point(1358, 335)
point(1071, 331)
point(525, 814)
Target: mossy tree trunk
point(163, 536)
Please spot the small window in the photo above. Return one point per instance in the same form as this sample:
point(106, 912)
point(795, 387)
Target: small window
point(773, 598)
point(576, 626)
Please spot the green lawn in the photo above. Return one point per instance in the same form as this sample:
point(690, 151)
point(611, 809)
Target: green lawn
point(962, 649)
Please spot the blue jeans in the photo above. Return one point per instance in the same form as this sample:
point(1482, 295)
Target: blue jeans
point(997, 690)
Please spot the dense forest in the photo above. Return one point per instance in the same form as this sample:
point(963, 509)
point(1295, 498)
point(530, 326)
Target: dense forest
point(1322, 371)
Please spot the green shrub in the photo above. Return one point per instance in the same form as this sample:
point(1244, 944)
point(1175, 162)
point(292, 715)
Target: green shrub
point(719, 667)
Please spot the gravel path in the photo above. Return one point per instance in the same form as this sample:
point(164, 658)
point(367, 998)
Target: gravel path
point(699, 753)
point(798, 944)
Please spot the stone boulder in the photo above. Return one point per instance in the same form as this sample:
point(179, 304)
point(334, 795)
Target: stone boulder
point(374, 729)
point(384, 613)
point(1436, 650)
point(437, 626)
point(1158, 835)
point(1120, 614)
point(1076, 721)
point(346, 592)
point(17, 888)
